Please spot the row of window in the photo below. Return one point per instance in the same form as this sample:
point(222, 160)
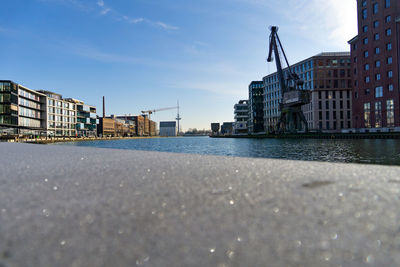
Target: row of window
point(333, 94)
point(28, 95)
point(60, 118)
point(334, 115)
point(52, 102)
point(29, 113)
point(389, 61)
point(61, 111)
point(377, 51)
point(377, 37)
point(28, 122)
point(28, 103)
point(334, 106)
point(375, 8)
point(378, 114)
point(378, 76)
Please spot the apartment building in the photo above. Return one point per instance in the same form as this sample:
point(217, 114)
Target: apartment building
point(86, 118)
point(21, 109)
point(241, 110)
point(375, 66)
point(255, 122)
point(328, 77)
point(60, 114)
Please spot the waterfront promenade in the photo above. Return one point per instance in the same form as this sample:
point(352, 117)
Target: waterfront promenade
point(73, 206)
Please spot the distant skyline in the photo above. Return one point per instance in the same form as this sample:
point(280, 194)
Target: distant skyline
point(147, 54)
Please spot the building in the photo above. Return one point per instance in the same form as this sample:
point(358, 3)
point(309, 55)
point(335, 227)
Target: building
point(375, 66)
point(86, 118)
point(21, 110)
point(255, 122)
point(241, 110)
point(215, 128)
point(227, 128)
point(106, 127)
point(139, 122)
point(60, 114)
point(328, 76)
point(168, 128)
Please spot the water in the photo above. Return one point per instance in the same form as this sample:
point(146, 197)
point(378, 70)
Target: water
point(385, 152)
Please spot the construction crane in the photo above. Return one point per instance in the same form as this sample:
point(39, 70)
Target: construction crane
point(149, 112)
point(292, 119)
point(178, 116)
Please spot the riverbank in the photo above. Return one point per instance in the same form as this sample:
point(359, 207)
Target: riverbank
point(50, 140)
point(382, 135)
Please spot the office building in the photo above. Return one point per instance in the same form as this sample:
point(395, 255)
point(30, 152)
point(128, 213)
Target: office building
point(227, 128)
point(168, 128)
point(255, 122)
point(241, 110)
point(375, 66)
point(21, 110)
point(60, 114)
point(328, 77)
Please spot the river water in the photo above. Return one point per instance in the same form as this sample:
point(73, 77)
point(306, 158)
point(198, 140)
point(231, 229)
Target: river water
point(386, 152)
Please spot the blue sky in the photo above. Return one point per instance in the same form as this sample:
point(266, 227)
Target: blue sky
point(146, 54)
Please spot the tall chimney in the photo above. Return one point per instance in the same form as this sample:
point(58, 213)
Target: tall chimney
point(104, 107)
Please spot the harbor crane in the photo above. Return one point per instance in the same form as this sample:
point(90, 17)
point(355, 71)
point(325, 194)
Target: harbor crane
point(292, 119)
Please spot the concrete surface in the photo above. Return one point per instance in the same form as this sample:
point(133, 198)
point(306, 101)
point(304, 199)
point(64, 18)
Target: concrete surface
point(70, 206)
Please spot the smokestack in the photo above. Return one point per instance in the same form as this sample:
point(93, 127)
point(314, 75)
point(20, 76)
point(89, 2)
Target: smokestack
point(104, 107)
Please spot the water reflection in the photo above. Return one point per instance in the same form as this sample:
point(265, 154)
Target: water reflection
point(357, 151)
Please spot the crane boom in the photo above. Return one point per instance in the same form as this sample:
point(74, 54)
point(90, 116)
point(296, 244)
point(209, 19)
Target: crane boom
point(291, 87)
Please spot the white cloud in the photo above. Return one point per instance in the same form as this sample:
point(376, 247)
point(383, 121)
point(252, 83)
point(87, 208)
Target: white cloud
point(329, 22)
point(100, 3)
point(105, 11)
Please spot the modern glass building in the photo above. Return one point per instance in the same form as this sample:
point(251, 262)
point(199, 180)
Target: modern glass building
point(21, 110)
point(256, 108)
point(328, 76)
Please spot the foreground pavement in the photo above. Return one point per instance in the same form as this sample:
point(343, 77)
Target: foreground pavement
point(72, 206)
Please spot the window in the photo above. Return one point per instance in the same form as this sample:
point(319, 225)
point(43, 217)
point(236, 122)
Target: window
point(390, 87)
point(366, 66)
point(367, 79)
point(388, 32)
point(376, 24)
point(375, 8)
point(366, 92)
point(367, 115)
point(377, 63)
point(390, 74)
point(379, 91)
point(327, 104)
point(365, 28)
point(365, 41)
point(378, 77)
point(376, 36)
point(390, 112)
point(378, 114)
point(388, 19)
point(387, 3)
point(364, 3)
point(389, 46)
point(365, 53)
point(377, 50)
point(364, 13)
point(389, 60)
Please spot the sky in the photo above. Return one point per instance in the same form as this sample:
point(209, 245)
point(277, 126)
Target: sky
point(147, 54)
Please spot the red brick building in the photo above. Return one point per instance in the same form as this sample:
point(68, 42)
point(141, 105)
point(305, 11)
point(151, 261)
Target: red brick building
point(375, 66)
